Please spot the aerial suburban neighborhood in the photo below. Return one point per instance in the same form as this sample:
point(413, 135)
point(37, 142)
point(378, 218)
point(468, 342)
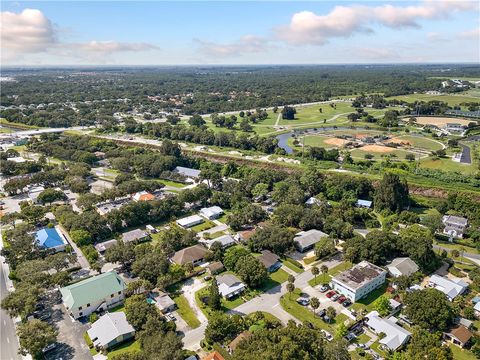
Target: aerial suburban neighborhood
point(168, 192)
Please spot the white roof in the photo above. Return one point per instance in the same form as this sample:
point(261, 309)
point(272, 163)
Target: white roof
point(188, 172)
point(366, 203)
point(403, 265)
point(312, 201)
point(395, 335)
point(109, 327)
point(456, 220)
point(228, 284)
point(450, 287)
point(187, 221)
point(17, 159)
point(224, 240)
point(211, 211)
point(477, 306)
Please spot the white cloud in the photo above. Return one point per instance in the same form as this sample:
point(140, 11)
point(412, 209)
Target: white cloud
point(246, 44)
point(30, 32)
point(307, 27)
point(27, 32)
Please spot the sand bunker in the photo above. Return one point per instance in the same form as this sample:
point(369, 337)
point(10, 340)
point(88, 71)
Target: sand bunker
point(440, 121)
point(376, 148)
point(335, 141)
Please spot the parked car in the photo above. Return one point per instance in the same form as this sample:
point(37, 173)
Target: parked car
point(341, 299)
point(303, 301)
point(347, 303)
point(363, 346)
point(335, 297)
point(322, 313)
point(327, 319)
point(350, 336)
point(328, 336)
point(170, 317)
point(330, 294)
point(44, 316)
point(324, 288)
point(207, 278)
point(49, 347)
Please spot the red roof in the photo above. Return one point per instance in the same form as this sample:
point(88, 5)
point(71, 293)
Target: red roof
point(214, 356)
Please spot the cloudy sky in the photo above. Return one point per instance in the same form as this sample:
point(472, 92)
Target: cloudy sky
point(238, 32)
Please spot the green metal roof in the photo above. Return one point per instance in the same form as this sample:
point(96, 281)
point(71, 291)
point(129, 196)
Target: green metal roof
point(92, 289)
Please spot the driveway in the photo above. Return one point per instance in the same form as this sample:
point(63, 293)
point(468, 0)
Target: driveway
point(190, 287)
point(70, 341)
point(82, 260)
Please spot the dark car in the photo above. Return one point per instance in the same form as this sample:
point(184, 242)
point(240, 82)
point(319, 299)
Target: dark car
point(347, 303)
point(322, 313)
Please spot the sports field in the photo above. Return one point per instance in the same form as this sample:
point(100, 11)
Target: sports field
point(440, 121)
point(378, 152)
point(420, 142)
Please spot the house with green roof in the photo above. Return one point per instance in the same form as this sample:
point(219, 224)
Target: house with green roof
point(100, 292)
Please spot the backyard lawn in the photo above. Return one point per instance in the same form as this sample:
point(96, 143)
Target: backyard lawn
point(325, 278)
point(128, 347)
point(288, 263)
point(186, 312)
point(367, 303)
point(203, 226)
point(172, 183)
point(462, 354)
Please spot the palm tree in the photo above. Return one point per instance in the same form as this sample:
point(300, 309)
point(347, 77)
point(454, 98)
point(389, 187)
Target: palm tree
point(290, 289)
point(315, 272)
point(314, 303)
point(291, 279)
point(324, 270)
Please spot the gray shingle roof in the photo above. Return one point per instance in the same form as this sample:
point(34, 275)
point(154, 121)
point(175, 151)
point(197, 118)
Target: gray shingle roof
point(308, 238)
point(108, 327)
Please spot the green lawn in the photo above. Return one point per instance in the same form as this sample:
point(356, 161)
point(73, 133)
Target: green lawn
point(447, 164)
point(172, 183)
point(450, 99)
point(422, 142)
point(367, 303)
point(462, 354)
point(203, 226)
point(396, 153)
point(128, 347)
point(311, 114)
point(292, 266)
point(186, 312)
point(303, 313)
point(279, 276)
point(325, 278)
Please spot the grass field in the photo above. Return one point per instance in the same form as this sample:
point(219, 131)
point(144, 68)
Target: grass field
point(447, 164)
point(325, 278)
point(172, 183)
point(361, 152)
point(311, 114)
point(128, 347)
point(186, 312)
point(421, 142)
point(450, 99)
point(462, 354)
point(292, 266)
point(203, 226)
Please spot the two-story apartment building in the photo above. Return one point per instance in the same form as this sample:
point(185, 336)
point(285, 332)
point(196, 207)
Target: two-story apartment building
point(359, 281)
point(455, 226)
point(97, 293)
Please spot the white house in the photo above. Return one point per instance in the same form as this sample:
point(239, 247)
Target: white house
point(402, 266)
point(229, 285)
point(359, 281)
point(306, 240)
point(454, 226)
point(212, 212)
point(224, 240)
point(450, 287)
point(192, 175)
point(395, 335)
point(110, 330)
point(100, 292)
point(364, 203)
point(190, 221)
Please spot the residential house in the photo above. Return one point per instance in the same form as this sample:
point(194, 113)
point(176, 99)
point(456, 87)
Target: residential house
point(476, 310)
point(359, 281)
point(193, 254)
point(224, 240)
point(215, 267)
point(306, 240)
point(454, 226)
point(245, 235)
point(234, 343)
point(135, 235)
point(110, 330)
point(364, 203)
point(192, 175)
point(452, 287)
point(213, 356)
point(143, 196)
point(270, 260)
point(458, 335)
point(212, 212)
point(162, 301)
point(34, 192)
point(100, 292)
point(402, 266)
point(104, 246)
point(105, 207)
point(395, 335)
point(312, 201)
point(51, 239)
point(229, 285)
point(190, 221)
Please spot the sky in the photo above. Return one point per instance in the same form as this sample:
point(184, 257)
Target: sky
point(238, 32)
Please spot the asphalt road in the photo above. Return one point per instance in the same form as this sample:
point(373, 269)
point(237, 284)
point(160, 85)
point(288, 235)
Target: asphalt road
point(466, 157)
point(8, 339)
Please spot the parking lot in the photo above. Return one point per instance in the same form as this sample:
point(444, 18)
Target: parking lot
point(70, 342)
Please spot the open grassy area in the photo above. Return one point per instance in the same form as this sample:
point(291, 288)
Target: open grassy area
point(127, 347)
point(450, 99)
point(447, 164)
point(303, 313)
point(421, 142)
point(186, 312)
point(395, 153)
point(172, 183)
point(311, 114)
point(203, 226)
point(367, 302)
point(462, 354)
point(279, 276)
point(325, 278)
